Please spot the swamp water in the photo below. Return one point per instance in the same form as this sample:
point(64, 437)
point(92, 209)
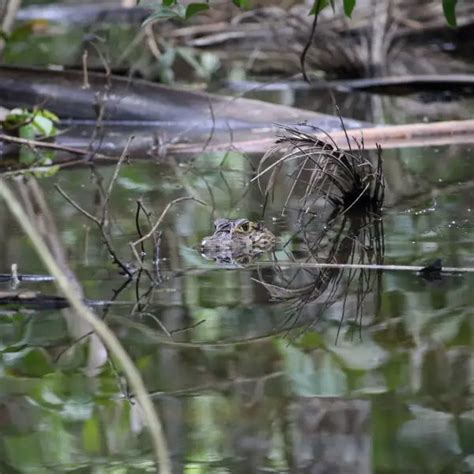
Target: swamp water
point(244, 382)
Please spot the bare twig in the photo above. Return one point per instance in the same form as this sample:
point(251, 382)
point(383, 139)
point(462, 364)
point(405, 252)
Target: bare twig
point(76, 205)
point(26, 277)
point(50, 146)
point(123, 156)
point(361, 266)
point(101, 222)
point(139, 230)
point(101, 227)
point(85, 84)
point(151, 42)
point(157, 224)
point(156, 236)
point(162, 326)
point(310, 40)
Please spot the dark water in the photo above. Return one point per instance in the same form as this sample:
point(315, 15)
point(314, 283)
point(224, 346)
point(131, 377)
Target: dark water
point(243, 383)
point(367, 372)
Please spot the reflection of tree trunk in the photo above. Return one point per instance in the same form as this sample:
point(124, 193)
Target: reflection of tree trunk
point(8, 18)
point(400, 183)
point(332, 435)
point(4, 229)
point(378, 46)
point(38, 211)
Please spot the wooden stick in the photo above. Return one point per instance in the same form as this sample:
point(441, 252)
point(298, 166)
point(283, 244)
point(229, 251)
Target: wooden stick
point(358, 266)
point(409, 135)
point(49, 146)
point(390, 136)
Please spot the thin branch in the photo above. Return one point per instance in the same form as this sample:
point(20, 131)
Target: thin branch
point(26, 277)
point(367, 266)
point(85, 72)
point(76, 205)
point(114, 177)
point(310, 40)
point(49, 146)
point(139, 230)
point(157, 224)
point(101, 227)
point(150, 415)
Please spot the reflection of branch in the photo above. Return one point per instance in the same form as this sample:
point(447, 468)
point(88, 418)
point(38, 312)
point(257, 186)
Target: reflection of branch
point(156, 239)
point(114, 177)
point(357, 266)
point(101, 222)
point(219, 386)
point(101, 227)
point(110, 340)
point(157, 224)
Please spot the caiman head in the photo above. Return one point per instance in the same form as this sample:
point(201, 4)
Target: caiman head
point(236, 241)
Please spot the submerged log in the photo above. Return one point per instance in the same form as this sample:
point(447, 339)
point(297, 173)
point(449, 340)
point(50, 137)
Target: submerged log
point(119, 100)
point(158, 116)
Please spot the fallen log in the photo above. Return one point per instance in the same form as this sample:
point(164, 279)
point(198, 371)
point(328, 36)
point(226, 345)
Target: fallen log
point(391, 136)
point(139, 102)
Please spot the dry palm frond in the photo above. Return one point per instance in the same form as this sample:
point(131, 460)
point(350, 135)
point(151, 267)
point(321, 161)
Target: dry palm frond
point(342, 178)
point(354, 238)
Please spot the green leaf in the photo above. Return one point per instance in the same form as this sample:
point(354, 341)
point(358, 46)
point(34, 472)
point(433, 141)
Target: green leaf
point(311, 375)
point(241, 3)
point(168, 3)
point(45, 171)
point(49, 115)
point(29, 362)
point(449, 9)
point(194, 8)
point(318, 5)
point(91, 439)
point(349, 7)
point(27, 156)
point(164, 12)
point(44, 126)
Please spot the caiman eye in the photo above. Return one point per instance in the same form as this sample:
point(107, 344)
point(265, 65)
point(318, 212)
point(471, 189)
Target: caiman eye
point(245, 226)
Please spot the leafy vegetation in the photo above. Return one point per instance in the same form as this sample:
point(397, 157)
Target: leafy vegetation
point(38, 123)
point(173, 9)
point(33, 125)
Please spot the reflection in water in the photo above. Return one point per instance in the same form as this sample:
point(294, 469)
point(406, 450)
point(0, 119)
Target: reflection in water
point(332, 435)
point(355, 237)
point(385, 388)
